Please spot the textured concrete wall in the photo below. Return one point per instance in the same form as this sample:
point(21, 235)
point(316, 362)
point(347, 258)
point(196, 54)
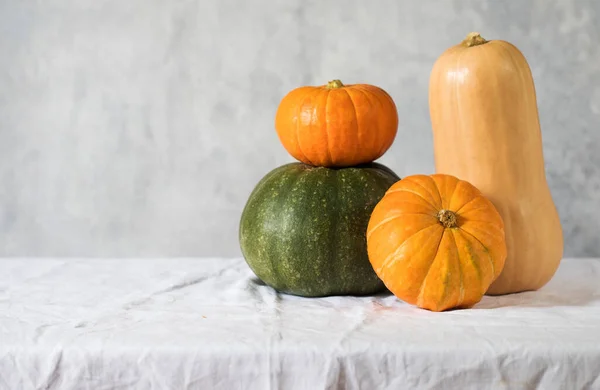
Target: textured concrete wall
point(139, 127)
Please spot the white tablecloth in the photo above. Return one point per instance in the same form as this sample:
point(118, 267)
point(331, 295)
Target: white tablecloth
point(207, 323)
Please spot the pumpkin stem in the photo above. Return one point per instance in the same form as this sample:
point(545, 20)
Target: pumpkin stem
point(334, 84)
point(473, 39)
point(447, 218)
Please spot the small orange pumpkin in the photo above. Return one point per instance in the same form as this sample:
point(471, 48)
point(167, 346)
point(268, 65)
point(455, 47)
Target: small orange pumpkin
point(436, 242)
point(337, 125)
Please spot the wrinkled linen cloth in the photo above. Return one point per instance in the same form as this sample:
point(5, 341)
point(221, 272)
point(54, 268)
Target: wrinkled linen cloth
point(210, 324)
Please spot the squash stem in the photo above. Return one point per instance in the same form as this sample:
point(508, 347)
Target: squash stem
point(334, 84)
point(447, 218)
point(473, 39)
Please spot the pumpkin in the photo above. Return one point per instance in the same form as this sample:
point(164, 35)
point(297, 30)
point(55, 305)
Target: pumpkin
point(303, 228)
point(486, 131)
point(436, 242)
point(337, 125)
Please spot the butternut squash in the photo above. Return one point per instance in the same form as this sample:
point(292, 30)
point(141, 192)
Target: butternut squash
point(486, 131)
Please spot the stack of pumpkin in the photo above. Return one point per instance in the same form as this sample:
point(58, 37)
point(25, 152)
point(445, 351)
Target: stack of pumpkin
point(303, 228)
point(337, 223)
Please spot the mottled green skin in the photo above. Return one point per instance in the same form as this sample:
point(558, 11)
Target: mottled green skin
point(303, 230)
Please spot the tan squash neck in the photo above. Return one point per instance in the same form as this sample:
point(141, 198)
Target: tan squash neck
point(473, 39)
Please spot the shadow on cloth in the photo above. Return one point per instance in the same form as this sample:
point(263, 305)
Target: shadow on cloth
point(567, 295)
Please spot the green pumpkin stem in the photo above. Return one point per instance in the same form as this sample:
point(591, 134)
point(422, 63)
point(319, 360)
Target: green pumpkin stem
point(334, 84)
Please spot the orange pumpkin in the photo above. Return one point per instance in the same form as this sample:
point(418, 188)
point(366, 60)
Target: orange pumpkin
point(337, 125)
point(436, 242)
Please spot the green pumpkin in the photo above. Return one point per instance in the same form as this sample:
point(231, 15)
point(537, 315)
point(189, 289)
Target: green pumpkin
point(303, 230)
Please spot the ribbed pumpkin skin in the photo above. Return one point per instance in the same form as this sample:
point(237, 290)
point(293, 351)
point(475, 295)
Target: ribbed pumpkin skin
point(486, 130)
point(303, 229)
point(425, 263)
point(337, 127)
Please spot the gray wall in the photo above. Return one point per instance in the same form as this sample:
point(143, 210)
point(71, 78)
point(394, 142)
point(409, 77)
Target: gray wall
point(139, 127)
